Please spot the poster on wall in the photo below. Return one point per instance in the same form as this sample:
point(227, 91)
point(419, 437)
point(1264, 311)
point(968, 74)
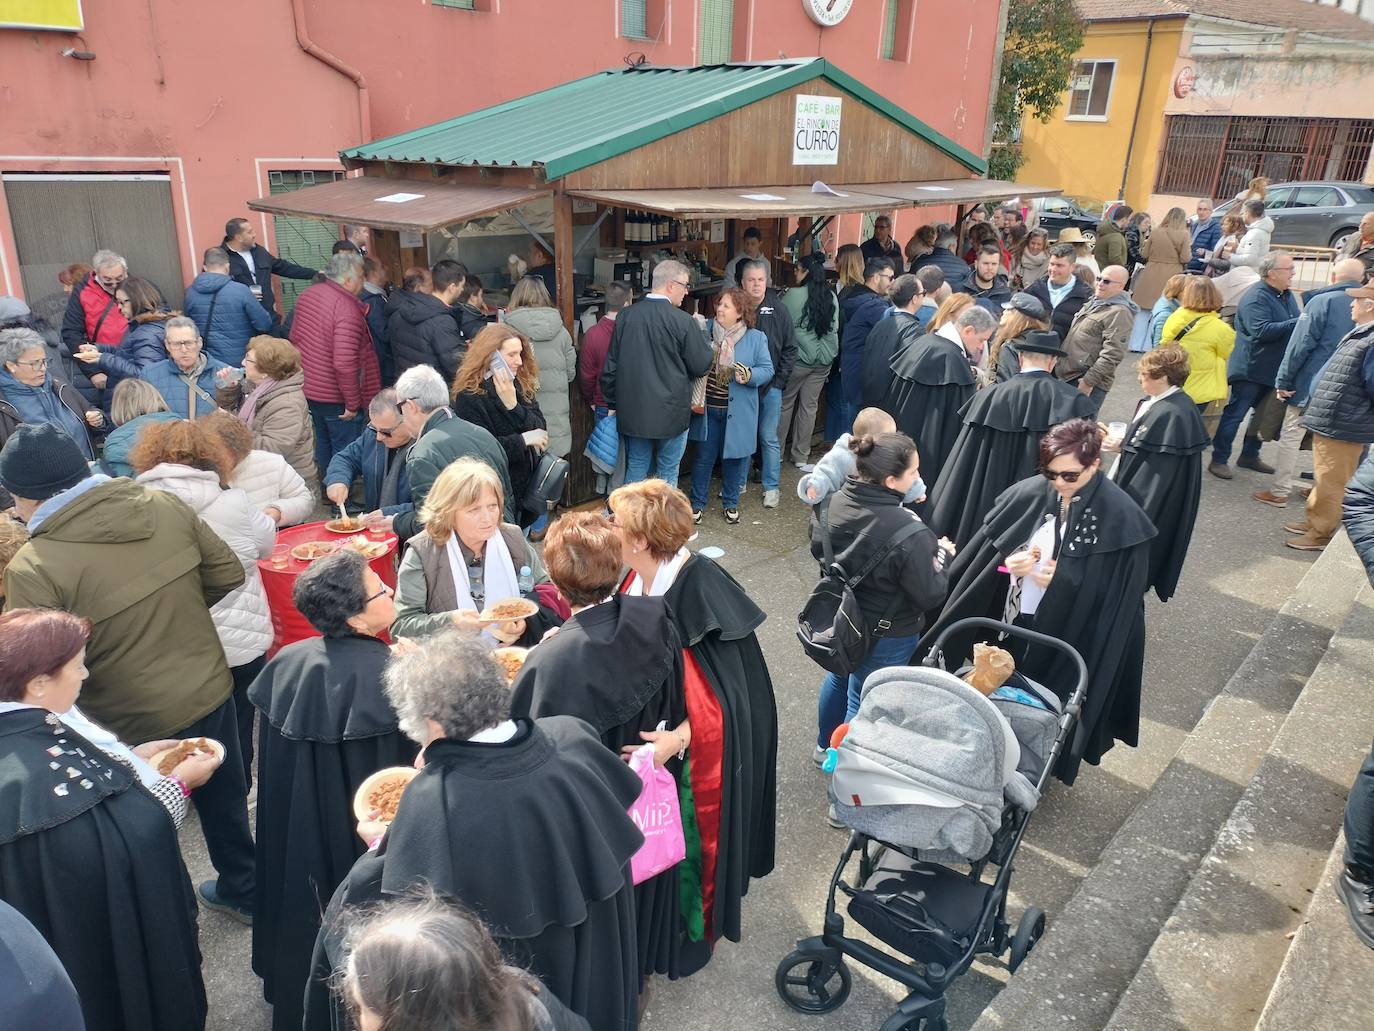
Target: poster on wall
point(816, 134)
point(49, 15)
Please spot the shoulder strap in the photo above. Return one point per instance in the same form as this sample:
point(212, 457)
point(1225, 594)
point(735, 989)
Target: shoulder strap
point(101, 321)
point(1184, 331)
point(897, 538)
point(823, 519)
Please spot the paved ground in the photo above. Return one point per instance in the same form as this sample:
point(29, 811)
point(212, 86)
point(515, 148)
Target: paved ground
point(1238, 575)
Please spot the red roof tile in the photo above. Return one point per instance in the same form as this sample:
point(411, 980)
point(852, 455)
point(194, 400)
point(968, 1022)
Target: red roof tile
point(1279, 14)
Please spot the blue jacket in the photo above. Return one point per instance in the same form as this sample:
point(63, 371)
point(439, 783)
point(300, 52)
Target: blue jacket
point(956, 269)
point(1264, 321)
point(140, 347)
point(239, 316)
point(1159, 314)
point(860, 310)
point(1205, 235)
point(742, 415)
point(376, 322)
point(167, 378)
point(1324, 323)
point(121, 441)
point(366, 457)
point(1358, 514)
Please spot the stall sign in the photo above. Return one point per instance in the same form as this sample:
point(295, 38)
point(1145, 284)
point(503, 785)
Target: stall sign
point(50, 15)
point(816, 136)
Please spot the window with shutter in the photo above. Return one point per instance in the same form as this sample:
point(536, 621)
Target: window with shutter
point(634, 19)
point(889, 45)
point(715, 31)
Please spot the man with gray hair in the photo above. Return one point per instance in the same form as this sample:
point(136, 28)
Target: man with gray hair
point(657, 352)
point(92, 316)
point(226, 312)
point(945, 257)
point(379, 457)
point(329, 329)
point(253, 265)
point(441, 437)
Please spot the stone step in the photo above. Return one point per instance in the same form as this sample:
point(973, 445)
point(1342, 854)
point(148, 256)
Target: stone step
point(1217, 958)
point(1096, 943)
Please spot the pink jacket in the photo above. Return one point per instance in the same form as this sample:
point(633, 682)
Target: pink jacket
point(329, 328)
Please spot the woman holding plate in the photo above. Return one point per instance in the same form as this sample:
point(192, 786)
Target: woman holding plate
point(466, 561)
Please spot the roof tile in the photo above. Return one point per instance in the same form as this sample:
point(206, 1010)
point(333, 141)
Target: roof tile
point(1279, 14)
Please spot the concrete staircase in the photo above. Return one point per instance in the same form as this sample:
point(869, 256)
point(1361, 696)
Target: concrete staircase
point(1188, 915)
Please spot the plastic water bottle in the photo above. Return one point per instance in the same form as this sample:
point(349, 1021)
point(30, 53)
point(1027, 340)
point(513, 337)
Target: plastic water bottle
point(526, 581)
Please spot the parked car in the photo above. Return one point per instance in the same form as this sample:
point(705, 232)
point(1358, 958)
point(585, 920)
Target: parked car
point(1315, 213)
point(1056, 213)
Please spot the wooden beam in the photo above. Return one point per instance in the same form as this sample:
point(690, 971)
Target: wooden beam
point(563, 256)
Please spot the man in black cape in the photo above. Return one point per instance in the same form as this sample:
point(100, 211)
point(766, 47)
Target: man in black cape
point(326, 727)
point(930, 383)
point(1000, 440)
point(1161, 470)
point(91, 859)
point(524, 822)
point(899, 329)
point(1094, 602)
point(618, 665)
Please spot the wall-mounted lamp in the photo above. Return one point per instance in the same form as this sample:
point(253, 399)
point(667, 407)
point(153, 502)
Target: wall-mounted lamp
point(79, 55)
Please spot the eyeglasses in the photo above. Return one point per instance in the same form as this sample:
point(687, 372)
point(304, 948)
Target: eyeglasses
point(381, 432)
point(110, 282)
point(373, 597)
point(182, 345)
point(1109, 281)
point(1068, 475)
point(686, 284)
point(37, 363)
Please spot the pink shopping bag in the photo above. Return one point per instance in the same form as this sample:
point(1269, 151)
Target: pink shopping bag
point(658, 816)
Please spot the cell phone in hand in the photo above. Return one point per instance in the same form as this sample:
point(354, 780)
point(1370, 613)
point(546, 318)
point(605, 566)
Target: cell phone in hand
point(497, 363)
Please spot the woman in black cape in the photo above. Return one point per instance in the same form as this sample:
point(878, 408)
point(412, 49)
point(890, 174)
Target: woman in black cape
point(1159, 464)
point(1083, 546)
point(326, 727)
point(730, 701)
point(617, 664)
point(522, 821)
point(930, 382)
point(87, 853)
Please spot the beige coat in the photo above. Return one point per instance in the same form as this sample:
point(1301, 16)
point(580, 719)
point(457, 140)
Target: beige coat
point(1165, 254)
point(281, 424)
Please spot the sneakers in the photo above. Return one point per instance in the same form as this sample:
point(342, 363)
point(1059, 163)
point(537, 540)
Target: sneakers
point(210, 898)
point(1358, 899)
point(1254, 465)
point(833, 818)
point(696, 515)
point(1268, 497)
point(818, 756)
point(1299, 527)
point(770, 499)
point(1305, 492)
point(1220, 470)
point(1307, 542)
point(805, 467)
point(732, 516)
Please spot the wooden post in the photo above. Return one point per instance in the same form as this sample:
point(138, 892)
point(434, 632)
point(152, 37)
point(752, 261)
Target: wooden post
point(563, 257)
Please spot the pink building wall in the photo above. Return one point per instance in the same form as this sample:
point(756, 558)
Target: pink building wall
point(220, 95)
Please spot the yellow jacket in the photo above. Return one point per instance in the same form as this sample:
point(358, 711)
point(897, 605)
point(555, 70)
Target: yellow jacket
point(1209, 344)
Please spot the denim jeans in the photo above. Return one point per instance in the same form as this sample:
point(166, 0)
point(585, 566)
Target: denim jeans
point(840, 700)
point(838, 418)
point(639, 458)
point(770, 451)
point(1245, 395)
point(332, 434)
point(1359, 821)
point(732, 470)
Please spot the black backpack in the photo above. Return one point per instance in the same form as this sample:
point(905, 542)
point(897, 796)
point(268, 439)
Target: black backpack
point(831, 626)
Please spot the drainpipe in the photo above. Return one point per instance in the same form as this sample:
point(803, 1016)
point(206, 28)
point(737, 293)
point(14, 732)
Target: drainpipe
point(1135, 121)
point(328, 59)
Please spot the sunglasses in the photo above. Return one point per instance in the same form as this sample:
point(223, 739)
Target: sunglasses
point(1068, 475)
point(382, 432)
point(1109, 281)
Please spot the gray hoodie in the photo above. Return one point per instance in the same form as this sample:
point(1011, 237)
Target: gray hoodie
point(553, 350)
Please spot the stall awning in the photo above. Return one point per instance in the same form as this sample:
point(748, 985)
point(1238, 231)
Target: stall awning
point(404, 204)
point(782, 201)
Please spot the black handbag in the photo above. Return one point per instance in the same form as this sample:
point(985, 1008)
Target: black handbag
point(546, 485)
point(831, 625)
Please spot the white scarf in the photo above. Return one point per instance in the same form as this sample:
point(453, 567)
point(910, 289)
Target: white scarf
point(499, 578)
point(97, 735)
point(663, 579)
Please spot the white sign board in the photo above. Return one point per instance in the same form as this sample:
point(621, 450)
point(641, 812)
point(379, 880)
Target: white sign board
point(816, 134)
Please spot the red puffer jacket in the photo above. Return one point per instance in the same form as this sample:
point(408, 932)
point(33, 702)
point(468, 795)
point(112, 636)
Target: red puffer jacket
point(329, 328)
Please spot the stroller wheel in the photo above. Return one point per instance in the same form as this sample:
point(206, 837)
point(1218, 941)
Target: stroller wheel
point(807, 981)
point(1028, 932)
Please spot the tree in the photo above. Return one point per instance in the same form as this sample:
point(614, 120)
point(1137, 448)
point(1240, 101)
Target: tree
point(1037, 63)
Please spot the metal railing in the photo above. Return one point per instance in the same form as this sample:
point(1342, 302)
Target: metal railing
point(1312, 265)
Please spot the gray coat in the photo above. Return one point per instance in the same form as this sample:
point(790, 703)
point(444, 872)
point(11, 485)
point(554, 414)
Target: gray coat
point(553, 349)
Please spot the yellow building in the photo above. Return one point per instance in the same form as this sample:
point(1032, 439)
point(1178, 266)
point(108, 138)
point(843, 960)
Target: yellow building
point(1172, 100)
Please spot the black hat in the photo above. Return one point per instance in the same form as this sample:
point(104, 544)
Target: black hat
point(1026, 304)
point(40, 460)
point(1038, 342)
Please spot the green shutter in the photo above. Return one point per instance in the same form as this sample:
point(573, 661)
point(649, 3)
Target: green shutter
point(889, 49)
point(303, 241)
point(634, 19)
point(716, 31)
point(462, 5)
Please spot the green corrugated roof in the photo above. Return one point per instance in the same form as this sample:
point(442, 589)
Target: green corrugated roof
point(590, 120)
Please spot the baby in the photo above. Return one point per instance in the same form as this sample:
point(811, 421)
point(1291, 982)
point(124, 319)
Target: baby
point(839, 462)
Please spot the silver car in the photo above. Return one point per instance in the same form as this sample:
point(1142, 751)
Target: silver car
point(1317, 213)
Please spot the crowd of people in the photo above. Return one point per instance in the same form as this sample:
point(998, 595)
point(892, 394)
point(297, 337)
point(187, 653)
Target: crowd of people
point(150, 457)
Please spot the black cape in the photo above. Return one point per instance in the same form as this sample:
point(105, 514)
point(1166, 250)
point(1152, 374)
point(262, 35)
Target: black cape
point(91, 859)
point(1095, 602)
point(885, 341)
point(532, 835)
point(931, 382)
point(1160, 469)
point(998, 445)
point(326, 726)
point(716, 621)
point(618, 666)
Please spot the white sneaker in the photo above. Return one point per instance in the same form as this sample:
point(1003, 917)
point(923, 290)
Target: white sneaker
point(806, 467)
point(770, 499)
point(833, 818)
point(818, 756)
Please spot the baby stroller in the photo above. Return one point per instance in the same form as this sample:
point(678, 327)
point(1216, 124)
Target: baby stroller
point(943, 780)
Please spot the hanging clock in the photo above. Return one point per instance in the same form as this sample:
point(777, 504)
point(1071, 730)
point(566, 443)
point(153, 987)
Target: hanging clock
point(826, 13)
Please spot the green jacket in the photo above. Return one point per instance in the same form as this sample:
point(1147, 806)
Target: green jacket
point(812, 349)
point(1110, 248)
point(144, 569)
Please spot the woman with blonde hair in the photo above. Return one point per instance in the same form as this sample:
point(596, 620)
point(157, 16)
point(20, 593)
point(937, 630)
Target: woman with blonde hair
point(950, 309)
point(135, 406)
point(1165, 253)
point(922, 242)
point(497, 388)
point(849, 268)
point(1198, 329)
point(1023, 315)
point(467, 560)
point(532, 313)
point(274, 407)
